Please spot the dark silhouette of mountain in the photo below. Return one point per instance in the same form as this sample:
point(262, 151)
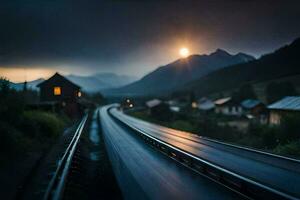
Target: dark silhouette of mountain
point(281, 63)
point(101, 81)
point(32, 85)
point(88, 83)
point(173, 75)
point(115, 80)
point(93, 83)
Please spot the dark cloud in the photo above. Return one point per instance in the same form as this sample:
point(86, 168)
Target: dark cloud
point(119, 35)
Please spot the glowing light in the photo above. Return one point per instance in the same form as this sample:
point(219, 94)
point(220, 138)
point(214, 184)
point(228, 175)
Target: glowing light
point(79, 94)
point(184, 52)
point(57, 91)
point(194, 105)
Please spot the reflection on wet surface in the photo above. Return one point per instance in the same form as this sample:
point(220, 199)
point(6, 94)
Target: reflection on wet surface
point(94, 137)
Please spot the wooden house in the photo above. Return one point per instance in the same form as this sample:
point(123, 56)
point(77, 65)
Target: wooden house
point(227, 106)
point(62, 92)
point(286, 106)
point(205, 105)
point(253, 107)
point(153, 105)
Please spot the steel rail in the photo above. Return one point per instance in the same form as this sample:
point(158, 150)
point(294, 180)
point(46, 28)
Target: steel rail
point(57, 183)
point(232, 180)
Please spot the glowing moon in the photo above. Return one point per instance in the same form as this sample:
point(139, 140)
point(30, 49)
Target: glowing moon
point(184, 52)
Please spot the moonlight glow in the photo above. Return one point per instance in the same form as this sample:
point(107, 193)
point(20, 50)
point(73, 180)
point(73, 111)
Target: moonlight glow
point(184, 52)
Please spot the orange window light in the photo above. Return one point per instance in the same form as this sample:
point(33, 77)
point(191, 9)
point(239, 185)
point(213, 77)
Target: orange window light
point(57, 91)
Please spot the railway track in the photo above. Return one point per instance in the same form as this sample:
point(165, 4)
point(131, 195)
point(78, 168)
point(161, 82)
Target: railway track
point(57, 184)
point(244, 185)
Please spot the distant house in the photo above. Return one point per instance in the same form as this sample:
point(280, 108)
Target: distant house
point(286, 106)
point(205, 104)
point(159, 109)
point(253, 107)
point(58, 88)
point(175, 105)
point(60, 91)
point(227, 106)
point(153, 103)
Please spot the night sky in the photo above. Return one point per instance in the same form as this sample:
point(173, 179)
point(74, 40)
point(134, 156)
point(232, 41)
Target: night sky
point(134, 37)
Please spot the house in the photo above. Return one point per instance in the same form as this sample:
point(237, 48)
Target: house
point(227, 106)
point(59, 89)
point(253, 107)
point(159, 109)
point(153, 103)
point(205, 104)
point(63, 93)
point(175, 105)
point(287, 106)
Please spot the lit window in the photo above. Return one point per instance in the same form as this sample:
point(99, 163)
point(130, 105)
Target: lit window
point(79, 94)
point(57, 91)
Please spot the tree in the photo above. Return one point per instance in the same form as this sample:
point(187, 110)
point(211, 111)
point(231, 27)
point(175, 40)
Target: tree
point(4, 86)
point(277, 90)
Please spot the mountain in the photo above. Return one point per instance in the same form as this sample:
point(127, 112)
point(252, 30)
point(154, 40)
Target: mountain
point(88, 83)
point(281, 63)
point(30, 85)
point(99, 82)
point(115, 80)
point(173, 75)
point(93, 83)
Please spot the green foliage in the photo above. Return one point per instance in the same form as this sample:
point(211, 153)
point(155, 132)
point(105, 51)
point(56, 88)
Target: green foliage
point(289, 128)
point(277, 90)
point(22, 130)
point(42, 124)
point(289, 149)
point(4, 85)
point(11, 103)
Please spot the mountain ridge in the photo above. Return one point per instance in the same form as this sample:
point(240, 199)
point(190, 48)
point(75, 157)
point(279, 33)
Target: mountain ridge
point(167, 77)
point(282, 62)
point(92, 83)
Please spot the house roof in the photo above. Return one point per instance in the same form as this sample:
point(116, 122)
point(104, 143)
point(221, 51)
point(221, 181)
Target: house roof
point(287, 103)
point(58, 78)
point(250, 103)
point(205, 104)
point(222, 101)
point(152, 103)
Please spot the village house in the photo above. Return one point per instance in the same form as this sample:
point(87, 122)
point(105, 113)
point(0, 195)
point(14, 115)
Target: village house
point(227, 106)
point(175, 105)
point(253, 107)
point(204, 104)
point(286, 106)
point(152, 105)
point(59, 91)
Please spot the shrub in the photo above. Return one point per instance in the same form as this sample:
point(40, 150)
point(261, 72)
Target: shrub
point(42, 124)
point(289, 129)
point(290, 149)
